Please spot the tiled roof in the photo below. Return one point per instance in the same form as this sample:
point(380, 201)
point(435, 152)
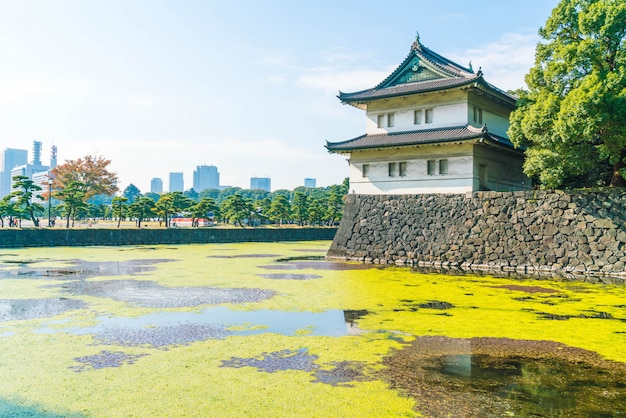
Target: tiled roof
point(421, 137)
point(424, 71)
point(404, 89)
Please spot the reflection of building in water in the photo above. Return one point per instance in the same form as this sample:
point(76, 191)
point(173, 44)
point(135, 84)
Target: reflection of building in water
point(351, 316)
point(458, 364)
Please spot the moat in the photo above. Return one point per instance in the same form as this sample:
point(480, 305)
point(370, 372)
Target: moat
point(273, 329)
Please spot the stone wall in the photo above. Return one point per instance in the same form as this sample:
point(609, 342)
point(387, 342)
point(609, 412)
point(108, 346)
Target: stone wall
point(42, 237)
point(573, 232)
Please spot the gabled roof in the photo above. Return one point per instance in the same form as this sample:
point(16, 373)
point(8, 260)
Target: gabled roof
point(424, 71)
point(421, 137)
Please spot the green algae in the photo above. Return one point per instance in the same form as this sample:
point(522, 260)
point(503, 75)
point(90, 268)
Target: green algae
point(384, 310)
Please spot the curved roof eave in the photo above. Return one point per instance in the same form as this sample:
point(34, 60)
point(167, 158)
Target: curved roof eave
point(420, 137)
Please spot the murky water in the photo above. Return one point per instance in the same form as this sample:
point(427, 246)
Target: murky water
point(275, 330)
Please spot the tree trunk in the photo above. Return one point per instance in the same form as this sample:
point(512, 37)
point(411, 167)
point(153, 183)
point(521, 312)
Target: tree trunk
point(616, 179)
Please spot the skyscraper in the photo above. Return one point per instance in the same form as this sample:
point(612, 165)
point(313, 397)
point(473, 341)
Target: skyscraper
point(11, 158)
point(156, 185)
point(176, 182)
point(261, 183)
point(206, 177)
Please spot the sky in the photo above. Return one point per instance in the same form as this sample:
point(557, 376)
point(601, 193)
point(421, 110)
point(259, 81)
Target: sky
point(249, 86)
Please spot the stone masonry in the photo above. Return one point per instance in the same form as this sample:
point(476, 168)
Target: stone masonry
point(562, 232)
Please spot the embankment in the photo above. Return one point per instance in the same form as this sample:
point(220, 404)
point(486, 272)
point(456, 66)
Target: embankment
point(42, 237)
point(553, 232)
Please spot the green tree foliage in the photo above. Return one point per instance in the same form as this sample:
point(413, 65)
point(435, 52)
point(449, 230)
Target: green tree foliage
point(142, 209)
point(236, 209)
point(202, 209)
point(280, 209)
point(4, 210)
point(131, 192)
point(10, 210)
point(73, 198)
point(334, 209)
point(120, 208)
point(24, 195)
point(165, 207)
point(317, 211)
point(171, 203)
point(191, 194)
point(572, 117)
point(153, 196)
point(300, 207)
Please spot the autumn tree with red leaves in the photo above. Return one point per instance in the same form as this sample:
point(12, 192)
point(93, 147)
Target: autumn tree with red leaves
point(90, 171)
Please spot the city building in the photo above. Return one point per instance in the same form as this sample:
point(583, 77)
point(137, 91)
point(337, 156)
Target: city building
point(31, 169)
point(432, 126)
point(311, 183)
point(42, 179)
point(156, 185)
point(11, 158)
point(261, 183)
point(206, 177)
point(177, 183)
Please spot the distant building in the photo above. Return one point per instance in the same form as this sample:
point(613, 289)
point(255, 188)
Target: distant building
point(156, 185)
point(311, 183)
point(177, 183)
point(261, 183)
point(53, 157)
point(30, 169)
point(41, 179)
point(11, 158)
point(206, 177)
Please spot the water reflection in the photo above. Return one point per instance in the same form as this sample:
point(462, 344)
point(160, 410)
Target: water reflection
point(165, 329)
point(491, 377)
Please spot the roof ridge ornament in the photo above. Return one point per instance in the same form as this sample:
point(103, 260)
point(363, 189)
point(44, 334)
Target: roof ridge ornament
point(417, 45)
point(480, 72)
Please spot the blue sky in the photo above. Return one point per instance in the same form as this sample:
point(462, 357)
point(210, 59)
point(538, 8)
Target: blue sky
point(246, 85)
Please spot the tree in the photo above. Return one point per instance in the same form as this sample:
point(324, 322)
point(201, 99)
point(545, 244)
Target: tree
point(90, 171)
point(571, 119)
point(131, 192)
point(191, 194)
point(334, 209)
point(4, 209)
point(164, 207)
point(317, 210)
point(24, 194)
point(153, 196)
point(301, 207)
point(280, 209)
point(141, 209)
point(171, 203)
point(236, 209)
point(119, 207)
point(73, 198)
point(202, 210)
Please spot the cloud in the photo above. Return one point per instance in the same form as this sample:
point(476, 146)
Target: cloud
point(504, 62)
point(331, 81)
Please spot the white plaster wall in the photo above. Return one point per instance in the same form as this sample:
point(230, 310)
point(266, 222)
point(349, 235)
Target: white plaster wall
point(449, 109)
point(504, 169)
point(495, 124)
point(459, 178)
